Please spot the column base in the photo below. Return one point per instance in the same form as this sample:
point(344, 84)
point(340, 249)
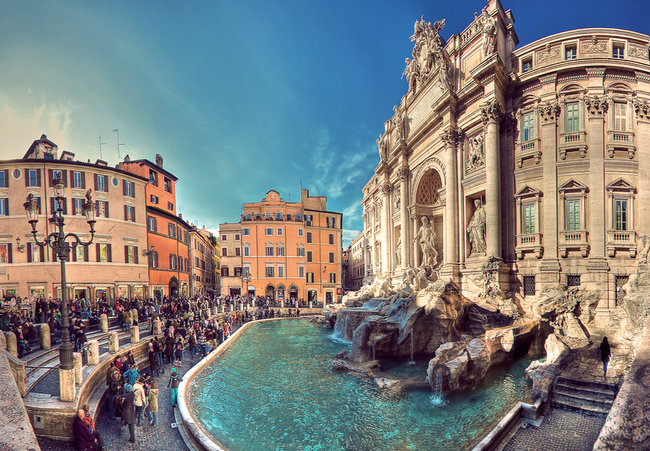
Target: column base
point(451, 271)
point(67, 389)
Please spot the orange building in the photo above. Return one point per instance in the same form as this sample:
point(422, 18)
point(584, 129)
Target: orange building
point(202, 252)
point(292, 250)
point(168, 234)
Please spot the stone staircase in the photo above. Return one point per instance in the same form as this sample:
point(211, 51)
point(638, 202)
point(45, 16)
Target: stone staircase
point(590, 397)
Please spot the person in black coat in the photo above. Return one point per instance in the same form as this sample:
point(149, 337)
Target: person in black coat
point(153, 359)
point(169, 348)
point(605, 353)
point(128, 411)
point(84, 440)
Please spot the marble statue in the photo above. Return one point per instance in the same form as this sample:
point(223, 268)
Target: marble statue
point(429, 55)
point(645, 247)
point(425, 238)
point(476, 229)
point(489, 32)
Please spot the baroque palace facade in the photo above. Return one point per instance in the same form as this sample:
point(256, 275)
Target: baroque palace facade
point(141, 246)
point(532, 161)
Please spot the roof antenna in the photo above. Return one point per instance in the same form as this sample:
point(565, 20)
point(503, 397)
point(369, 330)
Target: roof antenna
point(100, 147)
point(118, 143)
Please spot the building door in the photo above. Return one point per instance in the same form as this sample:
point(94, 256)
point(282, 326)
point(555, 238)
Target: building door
point(618, 293)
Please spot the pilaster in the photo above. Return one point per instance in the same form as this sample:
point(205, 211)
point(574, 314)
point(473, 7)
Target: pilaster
point(450, 138)
point(492, 113)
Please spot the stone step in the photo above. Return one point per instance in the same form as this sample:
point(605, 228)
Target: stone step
point(581, 397)
point(571, 404)
point(567, 388)
point(605, 386)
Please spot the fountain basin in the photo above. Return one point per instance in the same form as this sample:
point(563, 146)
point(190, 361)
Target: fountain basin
point(272, 386)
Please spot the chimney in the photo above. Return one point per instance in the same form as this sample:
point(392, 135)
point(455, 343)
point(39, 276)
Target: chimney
point(159, 160)
point(180, 216)
point(127, 158)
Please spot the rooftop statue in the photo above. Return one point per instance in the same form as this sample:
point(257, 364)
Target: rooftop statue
point(429, 55)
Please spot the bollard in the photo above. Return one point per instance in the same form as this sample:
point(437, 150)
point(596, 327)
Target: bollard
point(93, 352)
point(310, 304)
point(78, 366)
point(113, 342)
point(282, 304)
point(157, 327)
point(134, 313)
point(103, 322)
point(45, 339)
point(129, 317)
point(135, 335)
point(3, 340)
point(12, 344)
point(67, 389)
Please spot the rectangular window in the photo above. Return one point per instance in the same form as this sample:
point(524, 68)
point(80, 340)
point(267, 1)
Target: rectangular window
point(170, 206)
point(301, 271)
point(153, 225)
point(279, 251)
point(301, 232)
point(309, 237)
point(301, 251)
point(237, 237)
point(77, 207)
point(572, 125)
point(308, 220)
point(131, 254)
point(289, 217)
point(33, 177)
point(268, 231)
point(168, 185)
point(4, 178)
point(279, 231)
point(331, 257)
point(573, 214)
point(309, 256)
point(102, 209)
point(153, 177)
point(332, 277)
point(4, 207)
point(269, 271)
point(35, 253)
point(310, 277)
point(246, 231)
point(237, 251)
point(128, 188)
point(527, 65)
point(268, 216)
point(280, 271)
point(572, 281)
point(129, 213)
point(619, 116)
point(5, 253)
point(77, 180)
point(224, 237)
point(331, 238)
point(103, 252)
point(298, 217)
point(101, 183)
point(529, 219)
point(331, 222)
point(529, 126)
point(154, 199)
point(247, 251)
point(224, 252)
point(570, 52)
point(237, 271)
point(269, 250)
point(620, 214)
point(225, 272)
point(278, 216)
point(529, 285)
point(171, 230)
point(172, 261)
point(618, 51)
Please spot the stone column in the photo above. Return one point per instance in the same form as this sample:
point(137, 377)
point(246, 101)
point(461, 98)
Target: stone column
point(416, 227)
point(113, 342)
point(135, 335)
point(403, 175)
point(386, 245)
point(103, 323)
point(492, 113)
point(93, 352)
point(157, 327)
point(45, 339)
point(67, 390)
point(78, 368)
point(12, 344)
point(450, 138)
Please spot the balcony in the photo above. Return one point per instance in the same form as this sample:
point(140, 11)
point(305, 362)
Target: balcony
point(573, 239)
point(529, 242)
point(529, 149)
point(573, 141)
point(620, 141)
point(621, 240)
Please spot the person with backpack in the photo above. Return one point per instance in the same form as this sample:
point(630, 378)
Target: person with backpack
point(152, 406)
point(179, 352)
point(174, 381)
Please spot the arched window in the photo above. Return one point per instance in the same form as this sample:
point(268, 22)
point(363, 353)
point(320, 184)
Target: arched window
point(427, 193)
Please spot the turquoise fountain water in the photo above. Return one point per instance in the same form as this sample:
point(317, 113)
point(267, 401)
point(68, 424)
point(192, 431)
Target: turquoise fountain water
point(274, 388)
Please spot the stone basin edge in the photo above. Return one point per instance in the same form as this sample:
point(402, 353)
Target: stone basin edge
point(191, 424)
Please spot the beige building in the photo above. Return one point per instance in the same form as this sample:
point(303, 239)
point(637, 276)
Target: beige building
point(112, 266)
point(231, 259)
point(354, 264)
point(202, 249)
point(535, 158)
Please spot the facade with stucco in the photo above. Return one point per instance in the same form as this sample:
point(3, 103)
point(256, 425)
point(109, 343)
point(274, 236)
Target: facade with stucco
point(533, 161)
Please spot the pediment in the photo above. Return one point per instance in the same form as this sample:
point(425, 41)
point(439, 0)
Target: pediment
point(572, 185)
point(527, 191)
point(620, 185)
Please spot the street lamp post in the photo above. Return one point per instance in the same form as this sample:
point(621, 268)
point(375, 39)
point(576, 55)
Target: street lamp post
point(245, 280)
point(57, 241)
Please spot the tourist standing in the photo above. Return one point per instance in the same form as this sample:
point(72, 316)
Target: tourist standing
point(174, 380)
point(152, 404)
point(139, 399)
point(90, 422)
point(153, 359)
point(128, 411)
point(605, 353)
point(84, 439)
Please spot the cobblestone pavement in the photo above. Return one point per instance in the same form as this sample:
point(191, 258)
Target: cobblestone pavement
point(561, 430)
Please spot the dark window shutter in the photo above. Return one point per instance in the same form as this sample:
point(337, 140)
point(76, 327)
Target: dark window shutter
point(65, 177)
point(133, 214)
point(42, 249)
point(10, 255)
point(109, 256)
point(98, 252)
point(126, 212)
point(124, 182)
point(126, 254)
point(107, 215)
point(38, 178)
point(6, 206)
point(30, 256)
point(50, 176)
point(38, 201)
point(74, 251)
point(86, 254)
point(65, 206)
point(132, 189)
point(83, 180)
point(135, 253)
point(96, 184)
point(7, 178)
point(26, 177)
point(105, 183)
point(52, 205)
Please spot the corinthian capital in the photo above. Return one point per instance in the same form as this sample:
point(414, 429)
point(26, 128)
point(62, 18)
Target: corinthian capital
point(450, 136)
point(386, 188)
point(597, 106)
point(492, 111)
point(549, 112)
point(403, 173)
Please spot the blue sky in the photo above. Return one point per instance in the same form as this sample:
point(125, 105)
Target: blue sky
point(238, 97)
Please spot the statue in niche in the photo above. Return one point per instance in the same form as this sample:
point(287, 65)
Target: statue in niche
point(382, 146)
point(476, 229)
point(645, 247)
point(489, 32)
point(398, 250)
point(426, 240)
point(396, 198)
point(475, 153)
point(400, 123)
